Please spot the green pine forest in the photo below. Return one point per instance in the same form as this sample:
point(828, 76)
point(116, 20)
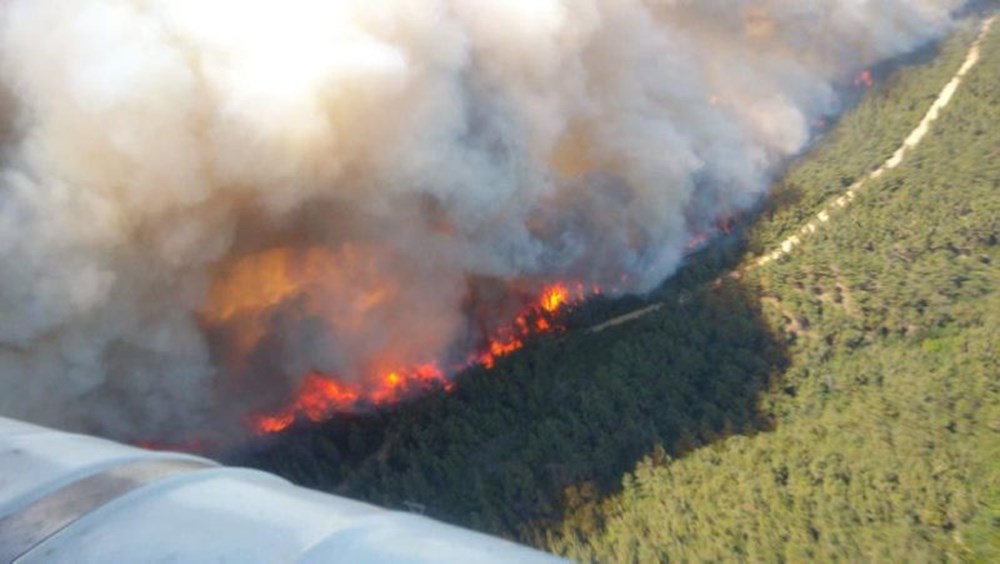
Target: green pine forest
point(842, 403)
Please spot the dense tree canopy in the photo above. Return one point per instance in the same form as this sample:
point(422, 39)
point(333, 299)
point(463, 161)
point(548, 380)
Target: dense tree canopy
point(843, 402)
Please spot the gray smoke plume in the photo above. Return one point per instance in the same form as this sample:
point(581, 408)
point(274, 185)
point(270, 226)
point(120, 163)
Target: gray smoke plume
point(202, 200)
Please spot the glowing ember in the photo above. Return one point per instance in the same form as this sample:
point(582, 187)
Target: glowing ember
point(267, 424)
point(395, 385)
point(497, 348)
point(865, 79)
point(696, 242)
point(321, 396)
point(315, 400)
point(535, 319)
point(726, 224)
point(554, 298)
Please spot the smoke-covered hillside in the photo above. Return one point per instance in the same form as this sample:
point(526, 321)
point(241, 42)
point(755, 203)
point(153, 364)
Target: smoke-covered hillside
point(203, 203)
point(839, 404)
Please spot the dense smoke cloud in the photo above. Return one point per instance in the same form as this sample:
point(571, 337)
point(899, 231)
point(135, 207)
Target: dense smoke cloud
point(169, 165)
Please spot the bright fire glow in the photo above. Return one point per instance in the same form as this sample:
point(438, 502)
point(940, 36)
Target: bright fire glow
point(536, 318)
point(317, 397)
point(320, 396)
point(554, 297)
point(865, 79)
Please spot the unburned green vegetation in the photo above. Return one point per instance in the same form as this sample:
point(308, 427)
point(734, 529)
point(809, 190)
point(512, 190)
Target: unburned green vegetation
point(841, 403)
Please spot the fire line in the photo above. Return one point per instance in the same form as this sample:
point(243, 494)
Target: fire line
point(321, 396)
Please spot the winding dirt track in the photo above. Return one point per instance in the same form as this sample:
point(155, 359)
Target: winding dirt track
point(625, 318)
point(911, 142)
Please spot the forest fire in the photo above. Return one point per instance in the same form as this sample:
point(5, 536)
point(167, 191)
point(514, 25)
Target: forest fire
point(534, 319)
point(320, 396)
point(208, 204)
point(723, 225)
point(317, 397)
point(865, 79)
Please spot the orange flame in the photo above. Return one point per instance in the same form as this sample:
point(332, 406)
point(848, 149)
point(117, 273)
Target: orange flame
point(317, 397)
point(554, 297)
point(321, 396)
point(865, 79)
point(536, 318)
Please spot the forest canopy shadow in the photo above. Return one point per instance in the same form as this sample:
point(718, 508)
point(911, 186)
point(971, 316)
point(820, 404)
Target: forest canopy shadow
point(513, 448)
point(557, 425)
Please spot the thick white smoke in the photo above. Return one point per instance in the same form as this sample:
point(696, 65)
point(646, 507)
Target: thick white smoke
point(411, 153)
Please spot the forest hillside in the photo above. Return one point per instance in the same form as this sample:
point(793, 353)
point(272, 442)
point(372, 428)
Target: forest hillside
point(841, 402)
